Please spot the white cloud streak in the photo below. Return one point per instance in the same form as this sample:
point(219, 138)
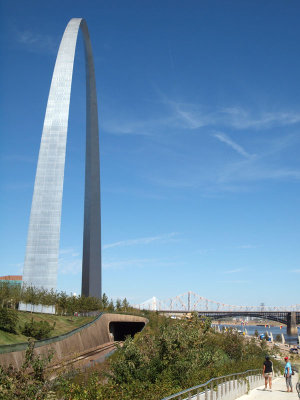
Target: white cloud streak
point(235, 146)
point(233, 271)
point(194, 116)
point(175, 115)
point(235, 281)
point(36, 42)
point(240, 118)
point(141, 241)
point(246, 246)
point(137, 263)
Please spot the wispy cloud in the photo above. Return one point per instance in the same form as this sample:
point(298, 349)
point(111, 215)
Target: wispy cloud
point(174, 115)
point(215, 175)
point(69, 251)
point(142, 241)
point(194, 116)
point(229, 177)
point(204, 251)
point(130, 127)
point(235, 146)
point(296, 271)
point(250, 170)
point(36, 42)
point(70, 262)
point(235, 281)
point(138, 263)
point(240, 118)
point(69, 266)
point(19, 158)
point(246, 246)
point(233, 271)
point(133, 191)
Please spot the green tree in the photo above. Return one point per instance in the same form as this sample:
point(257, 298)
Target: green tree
point(105, 301)
point(110, 306)
point(51, 298)
point(125, 304)
point(30, 296)
point(43, 297)
point(4, 293)
point(72, 305)
point(15, 295)
point(118, 305)
point(62, 301)
point(8, 320)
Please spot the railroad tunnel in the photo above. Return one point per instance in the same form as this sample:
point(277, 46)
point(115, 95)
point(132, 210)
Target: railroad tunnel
point(119, 330)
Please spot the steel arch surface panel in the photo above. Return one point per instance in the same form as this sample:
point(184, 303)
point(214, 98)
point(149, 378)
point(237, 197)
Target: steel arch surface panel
point(42, 250)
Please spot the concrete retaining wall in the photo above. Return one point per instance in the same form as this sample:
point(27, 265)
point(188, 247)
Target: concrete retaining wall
point(73, 343)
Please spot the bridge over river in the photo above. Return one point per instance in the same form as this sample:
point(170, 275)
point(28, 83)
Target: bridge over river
point(192, 302)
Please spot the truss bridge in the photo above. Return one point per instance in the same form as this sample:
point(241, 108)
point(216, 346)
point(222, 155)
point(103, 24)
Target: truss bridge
point(192, 302)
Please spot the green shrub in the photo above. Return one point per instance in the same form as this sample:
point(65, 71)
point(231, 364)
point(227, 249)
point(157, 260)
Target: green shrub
point(167, 357)
point(29, 381)
point(8, 320)
point(278, 338)
point(37, 329)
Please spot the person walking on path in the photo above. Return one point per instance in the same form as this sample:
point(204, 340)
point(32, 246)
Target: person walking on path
point(268, 372)
point(288, 374)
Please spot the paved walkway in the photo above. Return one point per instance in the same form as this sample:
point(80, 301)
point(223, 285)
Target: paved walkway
point(278, 391)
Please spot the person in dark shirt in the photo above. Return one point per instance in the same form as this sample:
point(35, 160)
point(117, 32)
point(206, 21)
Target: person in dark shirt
point(268, 372)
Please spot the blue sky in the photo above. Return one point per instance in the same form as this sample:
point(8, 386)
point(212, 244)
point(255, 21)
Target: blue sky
point(199, 105)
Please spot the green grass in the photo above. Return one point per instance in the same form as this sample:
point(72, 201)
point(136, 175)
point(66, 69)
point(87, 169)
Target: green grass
point(63, 324)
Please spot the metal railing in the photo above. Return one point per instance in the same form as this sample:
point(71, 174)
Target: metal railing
point(227, 387)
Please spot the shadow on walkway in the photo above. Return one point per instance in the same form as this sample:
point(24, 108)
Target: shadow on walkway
point(278, 391)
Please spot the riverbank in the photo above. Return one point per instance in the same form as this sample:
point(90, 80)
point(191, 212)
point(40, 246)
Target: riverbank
point(261, 323)
point(275, 330)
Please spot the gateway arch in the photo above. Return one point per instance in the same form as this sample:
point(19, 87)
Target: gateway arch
point(42, 249)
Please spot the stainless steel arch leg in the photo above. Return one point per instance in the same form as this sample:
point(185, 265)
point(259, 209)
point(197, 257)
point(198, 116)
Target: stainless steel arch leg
point(41, 260)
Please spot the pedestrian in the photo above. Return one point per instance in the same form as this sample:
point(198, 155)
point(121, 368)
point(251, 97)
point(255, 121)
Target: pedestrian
point(288, 374)
point(268, 372)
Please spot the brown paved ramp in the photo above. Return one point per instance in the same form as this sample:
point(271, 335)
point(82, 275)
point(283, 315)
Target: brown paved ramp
point(278, 391)
point(107, 328)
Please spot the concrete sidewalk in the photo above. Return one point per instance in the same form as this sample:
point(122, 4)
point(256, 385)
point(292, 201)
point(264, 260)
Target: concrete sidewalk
point(278, 391)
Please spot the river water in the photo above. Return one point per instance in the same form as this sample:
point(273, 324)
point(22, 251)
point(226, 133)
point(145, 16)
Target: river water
point(262, 329)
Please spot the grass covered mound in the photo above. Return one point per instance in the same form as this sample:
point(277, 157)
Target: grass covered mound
point(61, 324)
point(167, 357)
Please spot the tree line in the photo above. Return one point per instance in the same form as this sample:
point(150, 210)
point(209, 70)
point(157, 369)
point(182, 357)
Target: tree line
point(11, 295)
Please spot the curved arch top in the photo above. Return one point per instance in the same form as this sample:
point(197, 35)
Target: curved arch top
point(42, 250)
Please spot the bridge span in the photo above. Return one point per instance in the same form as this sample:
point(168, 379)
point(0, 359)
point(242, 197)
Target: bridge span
point(192, 302)
point(290, 319)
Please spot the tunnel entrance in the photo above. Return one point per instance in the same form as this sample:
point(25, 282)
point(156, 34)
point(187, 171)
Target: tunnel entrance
point(119, 330)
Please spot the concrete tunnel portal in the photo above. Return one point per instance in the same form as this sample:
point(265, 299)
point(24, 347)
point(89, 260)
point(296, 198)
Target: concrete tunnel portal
point(120, 329)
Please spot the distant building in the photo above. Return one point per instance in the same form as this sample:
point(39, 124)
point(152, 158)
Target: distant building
point(11, 279)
